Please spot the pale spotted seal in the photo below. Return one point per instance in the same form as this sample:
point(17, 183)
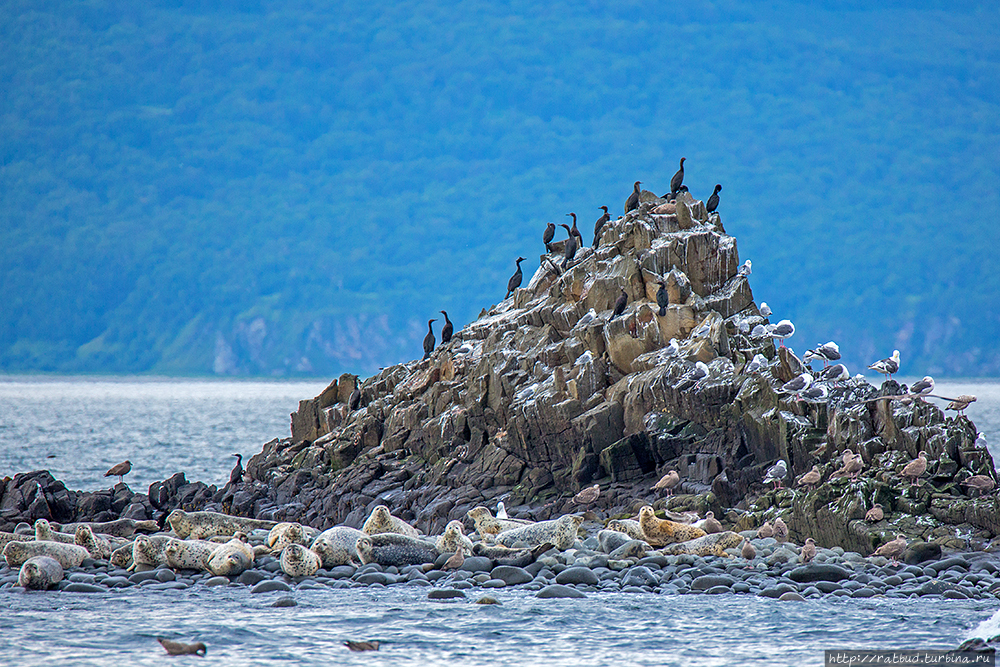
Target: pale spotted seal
point(44, 531)
point(6, 538)
point(122, 556)
point(381, 521)
point(628, 526)
point(487, 524)
point(201, 525)
point(631, 549)
point(284, 534)
point(232, 558)
point(337, 546)
point(68, 555)
point(188, 554)
point(297, 561)
point(149, 551)
point(560, 532)
point(659, 532)
point(454, 539)
point(706, 545)
point(118, 527)
point(98, 547)
point(40, 573)
point(394, 549)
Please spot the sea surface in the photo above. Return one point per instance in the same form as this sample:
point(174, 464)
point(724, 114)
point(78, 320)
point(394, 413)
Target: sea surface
point(80, 427)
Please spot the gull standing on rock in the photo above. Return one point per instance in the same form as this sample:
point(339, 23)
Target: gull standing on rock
point(827, 352)
point(709, 524)
point(767, 530)
point(808, 551)
point(961, 403)
point(887, 367)
point(835, 373)
point(816, 392)
point(667, 482)
point(852, 465)
point(915, 468)
point(501, 511)
point(782, 330)
point(120, 471)
point(875, 514)
point(746, 269)
point(632, 202)
point(923, 387)
point(701, 372)
point(748, 552)
point(776, 473)
point(797, 383)
point(429, 338)
point(811, 478)
point(757, 364)
point(515, 280)
point(765, 310)
point(982, 483)
point(599, 225)
point(892, 550)
point(780, 530)
point(588, 495)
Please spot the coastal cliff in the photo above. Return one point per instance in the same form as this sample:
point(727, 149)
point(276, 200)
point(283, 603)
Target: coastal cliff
point(546, 393)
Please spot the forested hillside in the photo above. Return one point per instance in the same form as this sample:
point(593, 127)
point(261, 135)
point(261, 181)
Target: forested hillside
point(294, 188)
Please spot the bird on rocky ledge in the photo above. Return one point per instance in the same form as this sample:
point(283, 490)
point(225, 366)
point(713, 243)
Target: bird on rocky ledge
point(362, 646)
point(180, 648)
point(236, 476)
point(765, 310)
point(448, 329)
point(982, 483)
point(429, 338)
point(797, 383)
point(887, 367)
point(767, 530)
point(713, 201)
point(548, 235)
point(892, 550)
point(782, 330)
point(571, 247)
point(923, 386)
point(662, 298)
point(119, 471)
point(915, 468)
point(961, 403)
point(748, 552)
point(678, 180)
point(811, 478)
point(576, 232)
point(808, 551)
point(667, 482)
point(501, 511)
point(780, 530)
point(776, 473)
point(515, 280)
point(354, 402)
point(620, 304)
point(456, 560)
point(599, 225)
point(632, 202)
point(875, 514)
point(587, 495)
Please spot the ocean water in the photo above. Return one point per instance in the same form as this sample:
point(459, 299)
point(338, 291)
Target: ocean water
point(163, 426)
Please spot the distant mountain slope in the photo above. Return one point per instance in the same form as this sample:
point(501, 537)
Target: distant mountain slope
point(295, 188)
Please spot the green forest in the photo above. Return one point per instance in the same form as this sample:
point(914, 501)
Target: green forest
point(294, 188)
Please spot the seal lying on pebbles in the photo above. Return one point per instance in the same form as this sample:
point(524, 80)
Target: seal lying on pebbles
point(507, 556)
point(337, 546)
point(188, 554)
point(118, 527)
point(44, 531)
point(297, 561)
point(659, 532)
point(68, 555)
point(98, 547)
point(200, 525)
point(232, 558)
point(487, 524)
point(284, 534)
point(609, 540)
point(631, 549)
point(381, 521)
point(453, 539)
point(148, 550)
point(40, 573)
point(122, 556)
point(706, 545)
point(628, 526)
point(394, 549)
point(6, 538)
point(560, 532)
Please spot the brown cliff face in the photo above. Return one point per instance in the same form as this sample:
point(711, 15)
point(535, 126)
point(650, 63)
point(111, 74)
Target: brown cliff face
point(543, 394)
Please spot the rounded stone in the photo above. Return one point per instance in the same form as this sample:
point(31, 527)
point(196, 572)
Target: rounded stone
point(477, 564)
point(577, 575)
point(285, 602)
point(373, 578)
point(342, 572)
point(707, 581)
point(444, 594)
point(494, 583)
point(77, 587)
point(818, 572)
point(791, 596)
point(252, 577)
point(559, 591)
point(217, 581)
point(271, 585)
point(510, 575)
point(639, 576)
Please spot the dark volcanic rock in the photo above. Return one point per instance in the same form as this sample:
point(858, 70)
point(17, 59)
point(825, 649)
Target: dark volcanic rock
point(818, 572)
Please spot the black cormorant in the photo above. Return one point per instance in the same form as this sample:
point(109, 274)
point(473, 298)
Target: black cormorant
point(447, 329)
point(515, 280)
point(354, 402)
point(429, 339)
point(599, 225)
point(576, 232)
point(678, 180)
point(633, 199)
point(713, 201)
point(620, 304)
point(662, 298)
point(570, 252)
point(548, 235)
point(236, 476)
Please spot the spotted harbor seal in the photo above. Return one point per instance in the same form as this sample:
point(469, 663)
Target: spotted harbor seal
point(453, 539)
point(118, 527)
point(68, 555)
point(40, 573)
point(44, 531)
point(297, 561)
point(381, 521)
point(201, 525)
point(98, 547)
point(338, 546)
point(232, 558)
point(487, 524)
point(560, 532)
point(507, 556)
point(394, 549)
point(659, 532)
point(609, 540)
point(714, 544)
point(284, 534)
point(6, 538)
point(188, 554)
point(149, 551)
point(630, 549)
point(628, 526)
point(122, 556)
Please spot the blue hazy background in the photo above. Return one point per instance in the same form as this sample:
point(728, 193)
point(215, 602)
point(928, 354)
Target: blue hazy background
point(288, 188)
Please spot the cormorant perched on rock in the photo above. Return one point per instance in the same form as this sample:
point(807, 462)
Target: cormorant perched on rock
point(236, 476)
point(599, 225)
point(678, 180)
point(632, 202)
point(447, 329)
point(576, 232)
point(550, 233)
point(515, 280)
point(429, 338)
point(662, 298)
point(713, 201)
point(354, 402)
point(570, 252)
point(620, 304)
